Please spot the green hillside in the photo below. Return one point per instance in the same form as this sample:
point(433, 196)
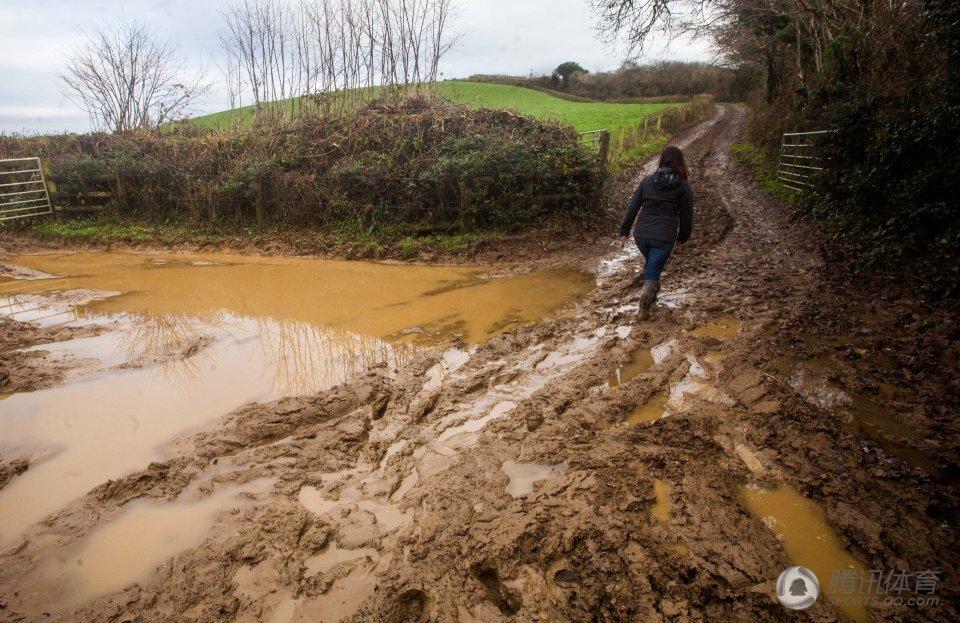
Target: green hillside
point(584, 116)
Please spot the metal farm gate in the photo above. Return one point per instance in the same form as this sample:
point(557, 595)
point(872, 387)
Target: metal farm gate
point(800, 159)
point(23, 189)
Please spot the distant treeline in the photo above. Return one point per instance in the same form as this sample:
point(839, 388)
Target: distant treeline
point(659, 81)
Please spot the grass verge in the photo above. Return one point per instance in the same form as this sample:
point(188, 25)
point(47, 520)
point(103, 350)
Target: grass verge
point(764, 171)
point(349, 239)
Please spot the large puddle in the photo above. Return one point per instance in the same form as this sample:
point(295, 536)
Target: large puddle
point(373, 300)
point(151, 532)
point(198, 336)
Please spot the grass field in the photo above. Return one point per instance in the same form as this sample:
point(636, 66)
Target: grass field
point(584, 116)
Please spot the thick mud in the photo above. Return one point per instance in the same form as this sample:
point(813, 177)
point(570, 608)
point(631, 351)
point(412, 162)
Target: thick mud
point(582, 466)
point(183, 341)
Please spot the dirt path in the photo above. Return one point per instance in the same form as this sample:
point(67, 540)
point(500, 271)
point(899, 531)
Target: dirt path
point(587, 468)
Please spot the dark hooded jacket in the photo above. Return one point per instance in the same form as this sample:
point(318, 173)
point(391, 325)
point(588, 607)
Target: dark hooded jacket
point(665, 206)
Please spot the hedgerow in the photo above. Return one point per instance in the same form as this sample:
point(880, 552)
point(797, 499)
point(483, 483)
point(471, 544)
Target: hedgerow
point(418, 163)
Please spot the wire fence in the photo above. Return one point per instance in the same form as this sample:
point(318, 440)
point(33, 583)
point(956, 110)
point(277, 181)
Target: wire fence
point(597, 142)
point(441, 205)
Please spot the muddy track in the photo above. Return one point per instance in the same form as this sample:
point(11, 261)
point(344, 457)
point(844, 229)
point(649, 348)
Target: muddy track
point(520, 481)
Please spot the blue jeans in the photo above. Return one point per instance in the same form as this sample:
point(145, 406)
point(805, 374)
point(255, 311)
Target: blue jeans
point(656, 253)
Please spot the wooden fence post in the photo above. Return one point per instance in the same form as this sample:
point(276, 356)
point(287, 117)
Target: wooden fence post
point(51, 184)
point(604, 147)
point(121, 197)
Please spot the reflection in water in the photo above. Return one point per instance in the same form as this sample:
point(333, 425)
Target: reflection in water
point(301, 353)
point(162, 334)
point(199, 337)
point(640, 360)
point(115, 422)
point(303, 357)
point(31, 308)
point(174, 342)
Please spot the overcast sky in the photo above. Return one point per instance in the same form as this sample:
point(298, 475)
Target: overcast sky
point(496, 36)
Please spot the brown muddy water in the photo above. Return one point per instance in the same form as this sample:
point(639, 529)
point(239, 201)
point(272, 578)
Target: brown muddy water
point(640, 361)
point(723, 327)
point(801, 526)
point(662, 512)
point(650, 411)
point(198, 336)
point(811, 379)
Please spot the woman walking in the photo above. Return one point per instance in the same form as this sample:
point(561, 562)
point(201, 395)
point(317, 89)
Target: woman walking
point(663, 208)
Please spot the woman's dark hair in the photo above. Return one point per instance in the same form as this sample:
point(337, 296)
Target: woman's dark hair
point(672, 157)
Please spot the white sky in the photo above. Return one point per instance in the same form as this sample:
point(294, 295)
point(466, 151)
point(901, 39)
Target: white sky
point(514, 37)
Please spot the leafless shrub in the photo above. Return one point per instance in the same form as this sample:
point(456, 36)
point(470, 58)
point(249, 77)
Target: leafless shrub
point(125, 78)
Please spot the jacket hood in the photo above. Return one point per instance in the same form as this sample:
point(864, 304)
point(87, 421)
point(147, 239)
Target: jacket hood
point(666, 178)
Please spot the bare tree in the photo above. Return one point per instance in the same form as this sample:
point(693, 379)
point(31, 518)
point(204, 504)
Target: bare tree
point(785, 39)
point(288, 50)
point(125, 78)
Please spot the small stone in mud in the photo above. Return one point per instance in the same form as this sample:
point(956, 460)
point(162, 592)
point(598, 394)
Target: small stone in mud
point(566, 578)
point(315, 537)
point(669, 608)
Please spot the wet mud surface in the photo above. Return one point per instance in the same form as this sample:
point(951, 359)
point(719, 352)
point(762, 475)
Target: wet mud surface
point(579, 467)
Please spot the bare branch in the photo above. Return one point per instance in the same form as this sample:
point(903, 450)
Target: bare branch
point(125, 78)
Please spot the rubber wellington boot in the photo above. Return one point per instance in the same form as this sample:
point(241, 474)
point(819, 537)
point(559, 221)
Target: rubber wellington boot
point(647, 296)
